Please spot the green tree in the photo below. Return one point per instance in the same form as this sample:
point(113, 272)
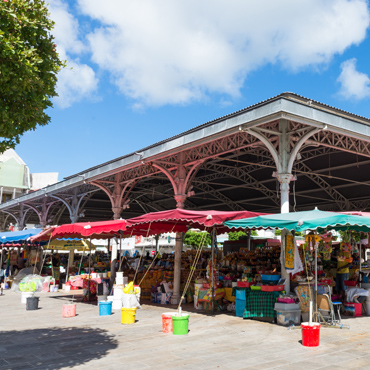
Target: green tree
point(236, 235)
point(195, 238)
point(29, 64)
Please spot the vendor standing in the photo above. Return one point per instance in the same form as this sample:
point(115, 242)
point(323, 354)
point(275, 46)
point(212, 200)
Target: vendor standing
point(343, 262)
point(55, 261)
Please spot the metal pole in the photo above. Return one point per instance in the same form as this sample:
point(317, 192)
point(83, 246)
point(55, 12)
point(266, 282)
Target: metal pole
point(157, 242)
point(213, 270)
point(88, 294)
point(315, 280)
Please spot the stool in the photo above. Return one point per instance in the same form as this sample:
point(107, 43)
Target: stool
point(337, 306)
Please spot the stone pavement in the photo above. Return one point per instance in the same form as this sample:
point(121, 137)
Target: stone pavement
point(43, 339)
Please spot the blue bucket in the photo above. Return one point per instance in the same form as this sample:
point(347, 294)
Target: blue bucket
point(105, 308)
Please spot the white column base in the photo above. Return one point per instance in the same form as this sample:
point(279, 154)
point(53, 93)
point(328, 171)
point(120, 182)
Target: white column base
point(175, 299)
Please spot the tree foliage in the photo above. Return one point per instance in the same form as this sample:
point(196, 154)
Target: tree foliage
point(28, 67)
point(196, 238)
point(236, 235)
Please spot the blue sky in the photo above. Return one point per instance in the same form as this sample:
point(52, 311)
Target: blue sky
point(142, 71)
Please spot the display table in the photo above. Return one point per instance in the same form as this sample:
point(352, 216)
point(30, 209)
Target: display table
point(260, 304)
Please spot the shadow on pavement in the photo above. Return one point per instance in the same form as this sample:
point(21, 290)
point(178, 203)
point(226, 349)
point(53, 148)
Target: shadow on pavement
point(53, 348)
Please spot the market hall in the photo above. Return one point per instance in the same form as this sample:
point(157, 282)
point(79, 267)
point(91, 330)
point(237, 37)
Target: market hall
point(288, 153)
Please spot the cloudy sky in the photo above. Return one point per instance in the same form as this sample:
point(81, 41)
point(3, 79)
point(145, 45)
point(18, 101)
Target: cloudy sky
point(142, 71)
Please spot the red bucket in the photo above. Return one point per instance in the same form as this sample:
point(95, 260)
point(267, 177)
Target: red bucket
point(167, 322)
point(310, 334)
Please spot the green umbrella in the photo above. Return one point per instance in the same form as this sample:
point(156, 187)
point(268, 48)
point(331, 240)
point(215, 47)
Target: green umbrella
point(306, 220)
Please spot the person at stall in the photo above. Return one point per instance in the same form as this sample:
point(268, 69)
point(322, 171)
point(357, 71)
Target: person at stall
point(55, 260)
point(343, 262)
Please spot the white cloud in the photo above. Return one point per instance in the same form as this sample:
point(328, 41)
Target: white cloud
point(354, 84)
point(75, 83)
point(174, 52)
point(78, 80)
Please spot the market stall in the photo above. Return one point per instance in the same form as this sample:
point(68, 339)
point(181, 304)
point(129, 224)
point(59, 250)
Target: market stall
point(316, 225)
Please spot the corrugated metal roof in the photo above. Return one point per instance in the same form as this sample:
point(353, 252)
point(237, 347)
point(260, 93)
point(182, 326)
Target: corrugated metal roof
point(286, 95)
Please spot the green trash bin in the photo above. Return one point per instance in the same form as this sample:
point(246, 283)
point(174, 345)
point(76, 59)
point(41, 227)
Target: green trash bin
point(180, 324)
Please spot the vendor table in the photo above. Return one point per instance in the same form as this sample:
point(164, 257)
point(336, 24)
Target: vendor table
point(260, 304)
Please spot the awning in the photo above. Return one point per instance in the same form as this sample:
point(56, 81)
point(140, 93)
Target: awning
point(305, 220)
point(18, 236)
point(180, 220)
point(94, 230)
point(44, 235)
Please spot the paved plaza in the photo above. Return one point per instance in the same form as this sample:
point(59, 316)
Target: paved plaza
point(43, 339)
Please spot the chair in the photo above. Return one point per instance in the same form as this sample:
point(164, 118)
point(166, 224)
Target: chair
point(328, 310)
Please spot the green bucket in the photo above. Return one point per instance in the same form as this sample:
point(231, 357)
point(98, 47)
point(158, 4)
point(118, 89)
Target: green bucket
point(180, 324)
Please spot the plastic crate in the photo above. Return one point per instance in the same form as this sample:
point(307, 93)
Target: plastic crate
point(287, 306)
point(285, 300)
point(288, 318)
point(272, 288)
point(352, 309)
point(239, 307)
point(256, 287)
point(243, 284)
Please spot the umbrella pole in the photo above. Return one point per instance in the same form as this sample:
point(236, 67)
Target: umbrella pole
point(316, 318)
point(213, 271)
point(88, 293)
point(1, 264)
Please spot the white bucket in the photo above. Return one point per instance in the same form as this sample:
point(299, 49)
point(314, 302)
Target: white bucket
point(105, 274)
point(94, 275)
point(198, 307)
point(67, 288)
point(119, 280)
point(197, 287)
point(25, 295)
point(119, 274)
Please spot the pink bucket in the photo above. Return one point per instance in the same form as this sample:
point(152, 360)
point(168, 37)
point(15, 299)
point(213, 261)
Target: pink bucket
point(69, 310)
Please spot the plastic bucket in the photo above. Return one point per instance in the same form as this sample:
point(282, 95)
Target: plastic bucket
point(180, 324)
point(25, 295)
point(310, 334)
point(69, 310)
point(32, 303)
point(105, 308)
point(128, 315)
point(167, 322)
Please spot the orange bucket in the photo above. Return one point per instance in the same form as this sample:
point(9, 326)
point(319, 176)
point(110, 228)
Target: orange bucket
point(167, 322)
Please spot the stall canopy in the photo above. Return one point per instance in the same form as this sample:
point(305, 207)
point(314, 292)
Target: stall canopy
point(18, 236)
point(180, 220)
point(44, 235)
point(176, 220)
point(94, 230)
point(305, 220)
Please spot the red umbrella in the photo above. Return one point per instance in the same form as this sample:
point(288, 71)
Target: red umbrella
point(94, 230)
point(44, 235)
point(180, 220)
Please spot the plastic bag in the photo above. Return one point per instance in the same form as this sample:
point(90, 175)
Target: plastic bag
point(130, 301)
point(129, 288)
point(31, 283)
